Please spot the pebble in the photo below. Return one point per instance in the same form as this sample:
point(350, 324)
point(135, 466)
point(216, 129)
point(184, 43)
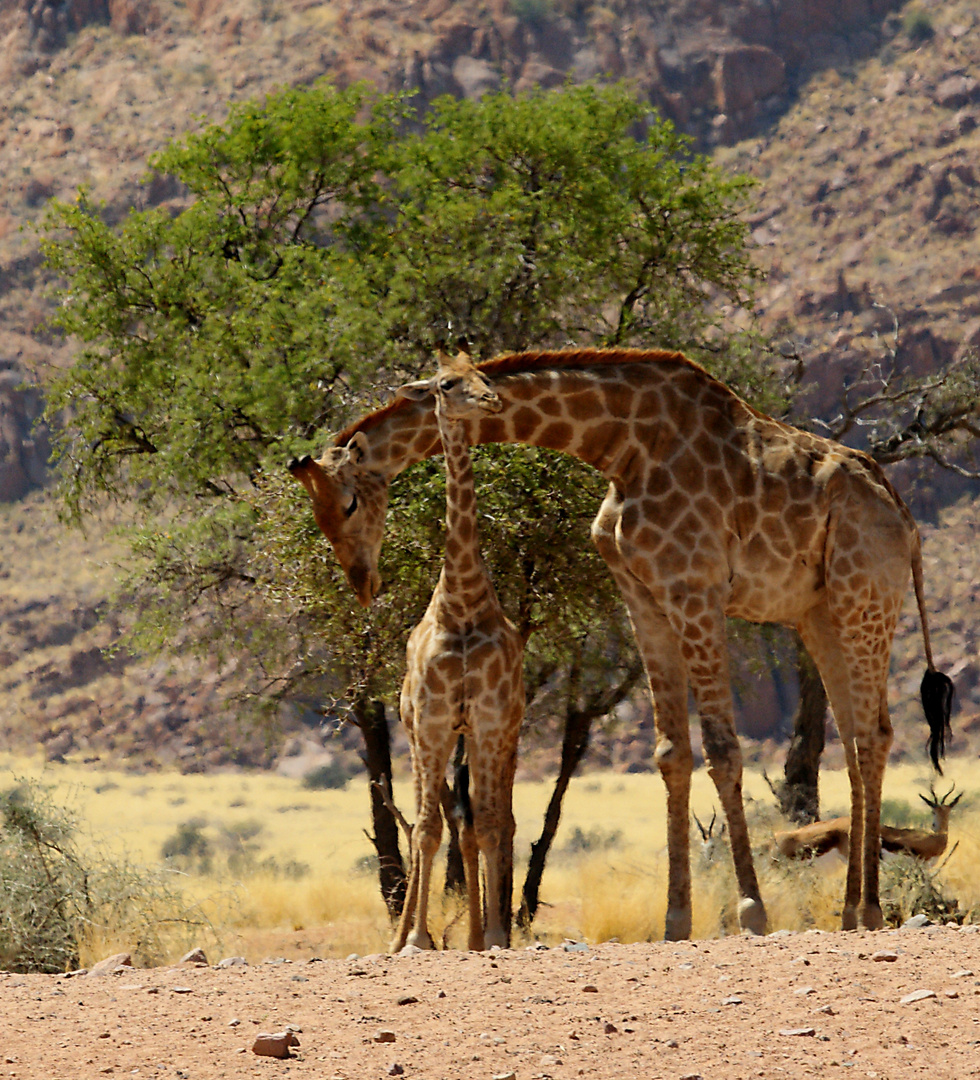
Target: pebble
point(610, 1028)
point(505, 1076)
point(233, 961)
point(916, 922)
point(884, 956)
point(394, 1069)
point(966, 973)
point(195, 956)
point(590, 989)
point(384, 1036)
point(804, 991)
point(731, 1001)
point(917, 995)
point(798, 1031)
point(407, 999)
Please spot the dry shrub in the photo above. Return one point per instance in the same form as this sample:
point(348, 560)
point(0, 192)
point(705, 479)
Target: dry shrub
point(60, 908)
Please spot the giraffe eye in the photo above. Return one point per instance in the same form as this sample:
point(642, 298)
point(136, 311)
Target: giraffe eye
point(352, 507)
point(445, 385)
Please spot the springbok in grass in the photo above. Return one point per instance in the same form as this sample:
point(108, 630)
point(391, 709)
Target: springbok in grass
point(712, 843)
point(821, 837)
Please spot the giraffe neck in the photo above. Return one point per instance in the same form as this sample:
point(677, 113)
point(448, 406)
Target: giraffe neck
point(464, 578)
point(598, 414)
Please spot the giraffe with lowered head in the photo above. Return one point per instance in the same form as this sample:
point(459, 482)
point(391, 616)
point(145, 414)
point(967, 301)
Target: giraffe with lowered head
point(464, 677)
point(713, 509)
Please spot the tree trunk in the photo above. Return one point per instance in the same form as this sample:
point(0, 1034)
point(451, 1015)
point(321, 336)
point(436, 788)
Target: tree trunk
point(370, 718)
point(578, 727)
point(798, 794)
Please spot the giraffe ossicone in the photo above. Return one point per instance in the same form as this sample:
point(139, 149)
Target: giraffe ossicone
point(713, 510)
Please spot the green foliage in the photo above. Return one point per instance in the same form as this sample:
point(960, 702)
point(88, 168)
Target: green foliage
point(535, 12)
point(901, 814)
point(188, 848)
point(588, 842)
point(918, 25)
point(331, 238)
point(55, 900)
point(328, 777)
point(230, 850)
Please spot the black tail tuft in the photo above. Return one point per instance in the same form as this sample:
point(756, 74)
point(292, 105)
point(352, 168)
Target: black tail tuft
point(937, 701)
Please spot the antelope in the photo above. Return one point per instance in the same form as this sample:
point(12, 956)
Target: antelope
point(821, 837)
point(712, 843)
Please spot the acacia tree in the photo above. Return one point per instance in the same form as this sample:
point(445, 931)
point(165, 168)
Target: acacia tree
point(329, 239)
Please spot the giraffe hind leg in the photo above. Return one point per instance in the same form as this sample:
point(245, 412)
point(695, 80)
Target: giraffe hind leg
point(855, 682)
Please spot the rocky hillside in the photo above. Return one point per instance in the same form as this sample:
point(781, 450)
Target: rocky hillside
point(860, 121)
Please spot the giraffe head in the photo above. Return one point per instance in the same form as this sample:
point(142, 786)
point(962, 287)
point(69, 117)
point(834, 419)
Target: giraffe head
point(461, 392)
point(349, 505)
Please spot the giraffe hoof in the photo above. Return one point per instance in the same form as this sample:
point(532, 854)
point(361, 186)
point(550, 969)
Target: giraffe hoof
point(678, 927)
point(871, 917)
point(752, 916)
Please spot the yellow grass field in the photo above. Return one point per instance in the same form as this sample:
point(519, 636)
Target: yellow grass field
point(606, 877)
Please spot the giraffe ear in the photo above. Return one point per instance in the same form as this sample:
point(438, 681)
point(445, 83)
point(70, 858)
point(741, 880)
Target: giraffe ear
point(415, 391)
point(357, 447)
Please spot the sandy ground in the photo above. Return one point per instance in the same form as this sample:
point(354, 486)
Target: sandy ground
point(787, 1005)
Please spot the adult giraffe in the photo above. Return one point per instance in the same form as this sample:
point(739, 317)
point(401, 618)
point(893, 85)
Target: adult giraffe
point(713, 510)
point(464, 676)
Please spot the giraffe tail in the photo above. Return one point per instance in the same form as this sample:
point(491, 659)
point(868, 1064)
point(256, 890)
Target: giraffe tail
point(937, 688)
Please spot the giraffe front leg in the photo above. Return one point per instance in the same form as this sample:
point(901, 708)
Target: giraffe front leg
point(428, 832)
point(725, 769)
point(666, 673)
point(400, 939)
point(705, 647)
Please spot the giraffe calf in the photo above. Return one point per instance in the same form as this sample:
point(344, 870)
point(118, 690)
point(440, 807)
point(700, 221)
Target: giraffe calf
point(464, 677)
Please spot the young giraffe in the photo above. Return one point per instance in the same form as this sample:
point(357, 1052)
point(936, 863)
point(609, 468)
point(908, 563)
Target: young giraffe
point(713, 510)
point(464, 676)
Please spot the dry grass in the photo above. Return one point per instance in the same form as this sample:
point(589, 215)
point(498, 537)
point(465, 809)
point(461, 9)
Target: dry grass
point(610, 882)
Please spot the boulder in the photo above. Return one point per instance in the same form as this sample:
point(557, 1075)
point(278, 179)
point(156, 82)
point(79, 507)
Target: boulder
point(746, 75)
point(277, 1045)
point(111, 965)
point(475, 77)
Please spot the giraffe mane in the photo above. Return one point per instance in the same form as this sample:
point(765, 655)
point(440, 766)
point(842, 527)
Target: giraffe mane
point(532, 360)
